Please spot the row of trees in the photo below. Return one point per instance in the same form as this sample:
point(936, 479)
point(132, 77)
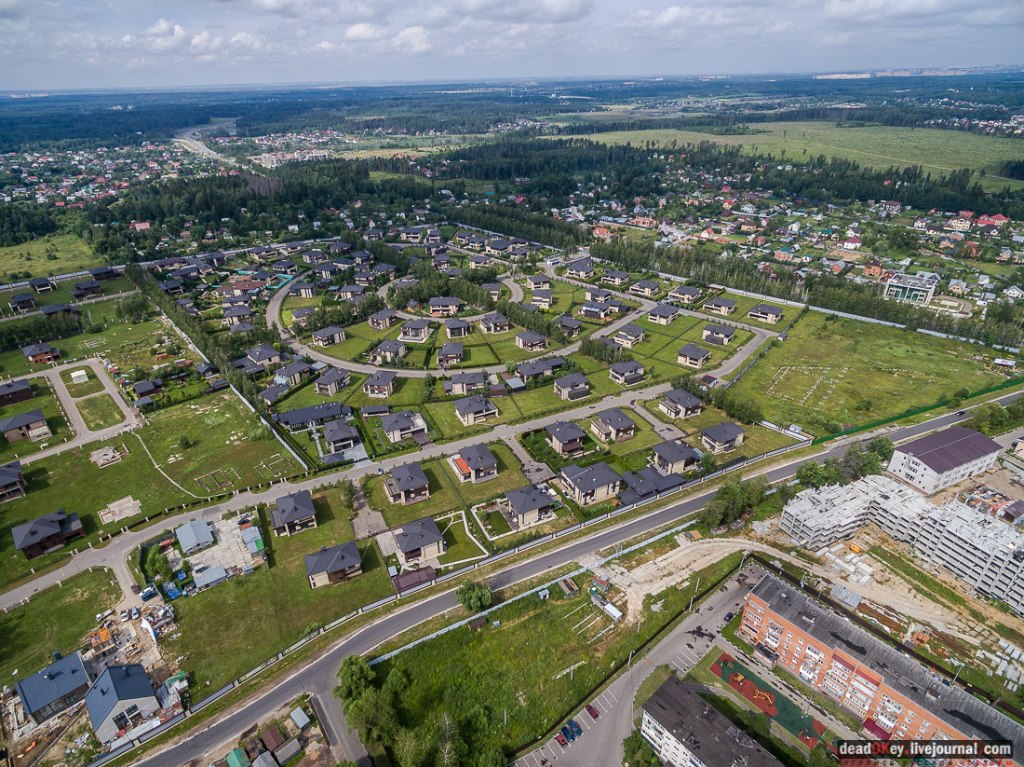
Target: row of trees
point(31, 330)
point(859, 461)
point(734, 406)
point(996, 419)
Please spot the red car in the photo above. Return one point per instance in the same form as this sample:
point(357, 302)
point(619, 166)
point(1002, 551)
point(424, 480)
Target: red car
point(592, 711)
point(561, 739)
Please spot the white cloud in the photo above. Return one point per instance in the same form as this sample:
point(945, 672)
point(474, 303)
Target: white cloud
point(165, 35)
point(536, 11)
point(324, 45)
point(412, 40)
point(249, 41)
point(364, 31)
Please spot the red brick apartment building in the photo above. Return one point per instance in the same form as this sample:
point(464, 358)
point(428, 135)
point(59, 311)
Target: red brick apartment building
point(894, 696)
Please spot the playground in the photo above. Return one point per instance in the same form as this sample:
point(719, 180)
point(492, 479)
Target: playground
point(768, 700)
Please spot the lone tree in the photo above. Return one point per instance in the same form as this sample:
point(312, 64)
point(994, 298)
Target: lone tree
point(474, 596)
point(354, 678)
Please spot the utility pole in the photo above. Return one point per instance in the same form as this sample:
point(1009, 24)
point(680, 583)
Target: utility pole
point(693, 595)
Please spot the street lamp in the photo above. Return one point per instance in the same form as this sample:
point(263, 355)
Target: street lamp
point(960, 667)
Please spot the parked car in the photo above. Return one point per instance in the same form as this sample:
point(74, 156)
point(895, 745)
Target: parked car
point(569, 734)
point(560, 739)
point(135, 613)
point(575, 727)
point(729, 616)
point(101, 616)
point(124, 616)
point(136, 588)
point(592, 711)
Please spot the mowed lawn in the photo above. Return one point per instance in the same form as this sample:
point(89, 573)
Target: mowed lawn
point(446, 492)
point(938, 151)
point(659, 351)
point(744, 304)
point(226, 444)
point(359, 339)
point(57, 618)
point(45, 401)
point(72, 482)
point(235, 626)
point(69, 252)
point(848, 372)
point(99, 411)
point(91, 386)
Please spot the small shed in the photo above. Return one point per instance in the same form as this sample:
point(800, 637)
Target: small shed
point(477, 624)
point(238, 758)
point(272, 737)
point(266, 759)
point(287, 751)
point(300, 718)
point(80, 376)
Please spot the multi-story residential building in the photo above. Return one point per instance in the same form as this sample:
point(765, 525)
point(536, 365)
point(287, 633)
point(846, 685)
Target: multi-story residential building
point(910, 288)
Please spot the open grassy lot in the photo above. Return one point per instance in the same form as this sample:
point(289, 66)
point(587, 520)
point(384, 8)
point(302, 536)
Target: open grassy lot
point(291, 303)
point(228, 629)
point(463, 670)
point(659, 351)
point(99, 412)
point(446, 492)
point(55, 619)
point(62, 295)
point(503, 346)
point(46, 401)
point(306, 395)
point(938, 151)
point(91, 386)
point(213, 444)
point(408, 391)
point(359, 339)
point(71, 481)
point(839, 371)
point(461, 547)
point(56, 254)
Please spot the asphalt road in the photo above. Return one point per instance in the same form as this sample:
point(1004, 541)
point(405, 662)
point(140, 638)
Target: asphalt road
point(318, 676)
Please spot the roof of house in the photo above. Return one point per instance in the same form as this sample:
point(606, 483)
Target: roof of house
point(415, 535)
point(383, 314)
point(494, 318)
point(723, 432)
point(333, 559)
point(298, 367)
point(907, 676)
point(456, 324)
point(529, 337)
point(614, 418)
point(194, 534)
point(718, 301)
point(645, 483)
point(329, 332)
point(401, 421)
point(663, 310)
point(685, 290)
point(952, 447)
point(10, 473)
point(332, 375)
point(450, 349)
point(444, 301)
point(674, 452)
point(473, 404)
point(565, 321)
point(336, 431)
point(541, 367)
point(56, 681)
point(292, 508)
point(523, 500)
point(647, 284)
point(409, 476)
point(476, 377)
point(39, 529)
point(767, 309)
point(478, 457)
point(11, 387)
point(693, 721)
point(585, 478)
point(631, 331)
point(262, 352)
point(381, 378)
point(565, 431)
point(314, 413)
point(116, 684)
point(625, 367)
point(33, 349)
point(693, 351)
point(571, 381)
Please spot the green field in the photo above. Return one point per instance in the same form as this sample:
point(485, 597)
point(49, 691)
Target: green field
point(659, 351)
point(69, 254)
point(45, 400)
point(99, 412)
point(91, 386)
point(446, 492)
point(938, 151)
point(214, 444)
point(62, 295)
point(462, 670)
point(744, 304)
point(235, 626)
point(55, 619)
point(844, 371)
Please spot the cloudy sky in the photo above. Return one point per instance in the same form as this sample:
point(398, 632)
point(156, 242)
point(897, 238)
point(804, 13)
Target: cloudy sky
point(50, 44)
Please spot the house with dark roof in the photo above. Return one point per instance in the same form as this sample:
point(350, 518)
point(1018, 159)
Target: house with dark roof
point(457, 328)
point(195, 535)
point(415, 331)
point(347, 292)
point(47, 533)
point(475, 409)
point(340, 436)
point(679, 403)
point(303, 289)
point(719, 335)
point(943, 458)
point(30, 425)
point(450, 353)
point(235, 315)
point(542, 299)
point(662, 314)
point(528, 506)
point(570, 326)
point(38, 354)
point(495, 322)
point(56, 688)
point(292, 373)
point(594, 311)
point(465, 383)
point(531, 342)
point(590, 484)
point(640, 486)
point(12, 481)
point(598, 295)
point(581, 269)
point(273, 393)
point(43, 284)
point(305, 417)
point(627, 373)
point(534, 369)
point(571, 387)
point(388, 351)
point(380, 385)
point(538, 282)
point(265, 356)
point(407, 484)
point(674, 457)
point(22, 302)
point(765, 313)
point(383, 319)
point(334, 564)
point(612, 425)
point(147, 388)
point(328, 336)
point(565, 438)
point(684, 294)
point(419, 541)
point(119, 700)
point(722, 438)
point(331, 381)
point(12, 392)
point(629, 336)
point(444, 306)
point(719, 305)
point(693, 356)
point(474, 463)
point(403, 425)
point(645, 288)
point(615, 277)
point(293, 514)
